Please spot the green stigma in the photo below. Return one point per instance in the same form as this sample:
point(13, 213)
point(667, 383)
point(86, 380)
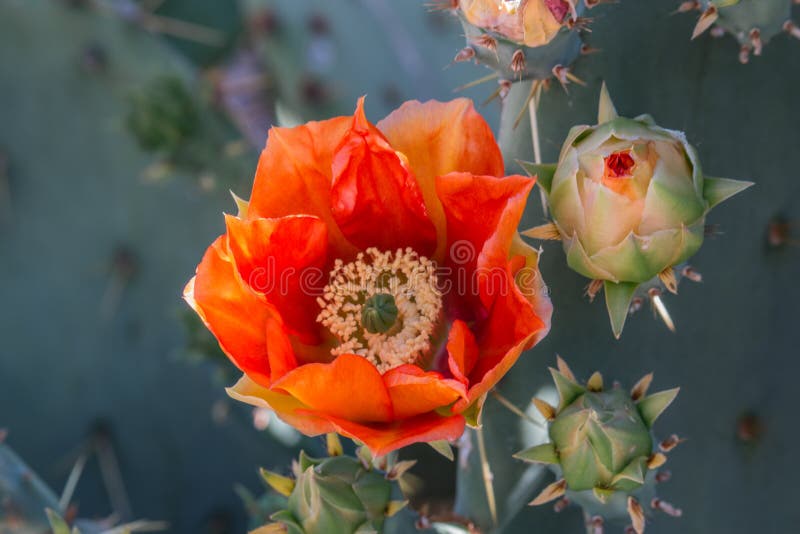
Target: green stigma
point(379, 313)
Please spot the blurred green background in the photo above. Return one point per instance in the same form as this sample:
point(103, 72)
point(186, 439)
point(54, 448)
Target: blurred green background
point(123, 126)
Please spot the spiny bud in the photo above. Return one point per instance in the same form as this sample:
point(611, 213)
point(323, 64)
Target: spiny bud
point(337, 494)
point(602, 447)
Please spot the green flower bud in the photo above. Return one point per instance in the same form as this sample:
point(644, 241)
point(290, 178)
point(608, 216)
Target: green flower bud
point(336, 495)
point(629, 202)
point(602, 447)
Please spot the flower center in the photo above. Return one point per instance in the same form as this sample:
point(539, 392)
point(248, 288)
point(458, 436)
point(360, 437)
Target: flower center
point(619, 165)
point(379, 313)
point(384, 306)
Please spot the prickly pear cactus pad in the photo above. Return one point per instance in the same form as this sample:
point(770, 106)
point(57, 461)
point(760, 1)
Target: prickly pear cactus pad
point(629, 202)
point(603, 449)
point(753, 23)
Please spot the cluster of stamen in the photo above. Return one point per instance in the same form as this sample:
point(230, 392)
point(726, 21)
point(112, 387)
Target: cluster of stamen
point(410, 279)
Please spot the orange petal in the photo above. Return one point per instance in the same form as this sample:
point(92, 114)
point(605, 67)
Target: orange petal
point(438, 138)
point(483, 213)
point(279, 350)
point(462, 351)
point(349, 387)
point(383, 439)
point(414, 391)
point(518, 320)
point(232, 311)
point(482, 217)
point(375, 198)
point(294, 176)
point(275, 257)
point(289, 409)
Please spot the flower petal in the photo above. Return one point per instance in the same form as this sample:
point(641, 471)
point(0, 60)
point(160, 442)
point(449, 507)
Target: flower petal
point(438, 138)
point(483, 213)
point(580, 262)
point(513, 323)
point(285, 406)
point(385, 438)
point(462, 351)
point(565, 198)
point(283, 259)
point(671, 199)
point(610, 217)
point(279, 350)
point(294, 176)
point(493, 375)
point(349, 387)
point(414, 391)
point(375, 198)
point(232, 311)
point(540, 23)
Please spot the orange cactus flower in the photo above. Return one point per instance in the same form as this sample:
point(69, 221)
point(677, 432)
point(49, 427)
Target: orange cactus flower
point(375, 284)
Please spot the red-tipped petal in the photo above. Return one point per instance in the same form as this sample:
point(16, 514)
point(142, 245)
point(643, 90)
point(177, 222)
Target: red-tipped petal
point(375, 198)
point(483, 214)
point(294, 176)
point(482, 217)
point(283, 259)
point(414, 391)
point(349, 387)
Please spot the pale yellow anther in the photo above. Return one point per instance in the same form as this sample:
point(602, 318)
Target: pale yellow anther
point(410, 279)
